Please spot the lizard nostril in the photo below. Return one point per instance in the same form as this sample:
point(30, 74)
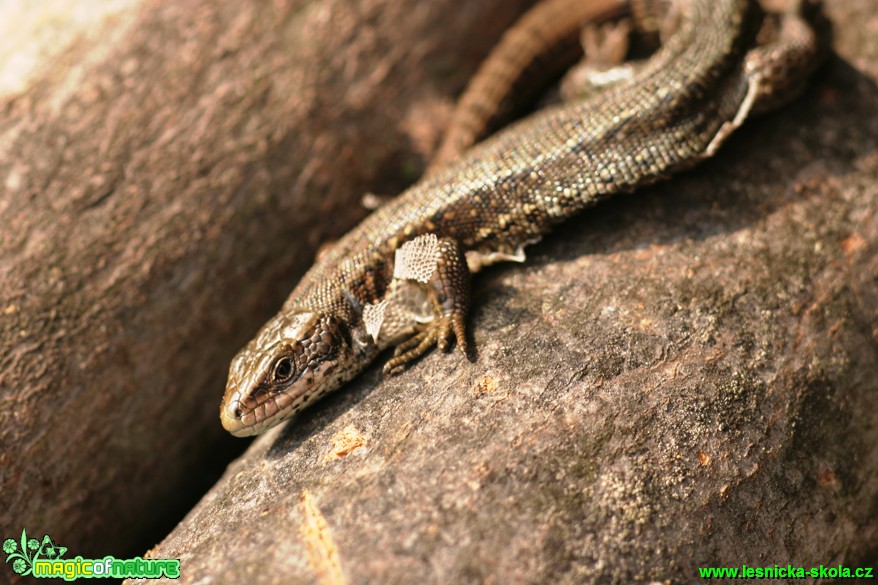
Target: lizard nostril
point(237, 413)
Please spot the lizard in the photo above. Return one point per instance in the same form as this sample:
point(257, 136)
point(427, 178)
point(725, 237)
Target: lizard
point(401, 278)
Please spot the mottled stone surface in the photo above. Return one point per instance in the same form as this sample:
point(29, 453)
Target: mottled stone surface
point(684, 377)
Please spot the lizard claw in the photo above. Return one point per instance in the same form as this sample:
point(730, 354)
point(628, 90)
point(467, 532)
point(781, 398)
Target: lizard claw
point(441, 332)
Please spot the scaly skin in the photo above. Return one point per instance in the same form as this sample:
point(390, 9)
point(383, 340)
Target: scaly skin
point(507, 192)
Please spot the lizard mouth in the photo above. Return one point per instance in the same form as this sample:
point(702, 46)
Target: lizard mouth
point(244, 415)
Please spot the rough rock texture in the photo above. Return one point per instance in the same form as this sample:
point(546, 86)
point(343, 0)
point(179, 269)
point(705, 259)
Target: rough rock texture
point(165, 180)
point(681, 378)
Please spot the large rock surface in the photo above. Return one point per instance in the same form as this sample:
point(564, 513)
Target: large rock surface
point(167, 173)
point(684, 377)
point(681, 378)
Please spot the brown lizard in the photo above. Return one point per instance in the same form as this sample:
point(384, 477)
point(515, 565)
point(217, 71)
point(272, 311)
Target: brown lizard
point(401, 278)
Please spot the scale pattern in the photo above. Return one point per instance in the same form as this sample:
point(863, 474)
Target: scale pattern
point(717, 67)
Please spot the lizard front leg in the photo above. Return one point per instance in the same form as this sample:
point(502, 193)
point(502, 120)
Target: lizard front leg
point(428, 271)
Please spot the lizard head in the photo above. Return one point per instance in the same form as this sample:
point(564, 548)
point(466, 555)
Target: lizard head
point(295, 359)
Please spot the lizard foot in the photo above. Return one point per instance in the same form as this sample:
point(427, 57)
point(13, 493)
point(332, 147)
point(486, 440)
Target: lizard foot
point(440, 332)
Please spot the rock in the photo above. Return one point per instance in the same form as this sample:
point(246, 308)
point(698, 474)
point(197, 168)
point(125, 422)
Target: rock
point(680, 378)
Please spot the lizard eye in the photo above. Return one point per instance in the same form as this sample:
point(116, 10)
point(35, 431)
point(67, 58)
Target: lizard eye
point(283, 369)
